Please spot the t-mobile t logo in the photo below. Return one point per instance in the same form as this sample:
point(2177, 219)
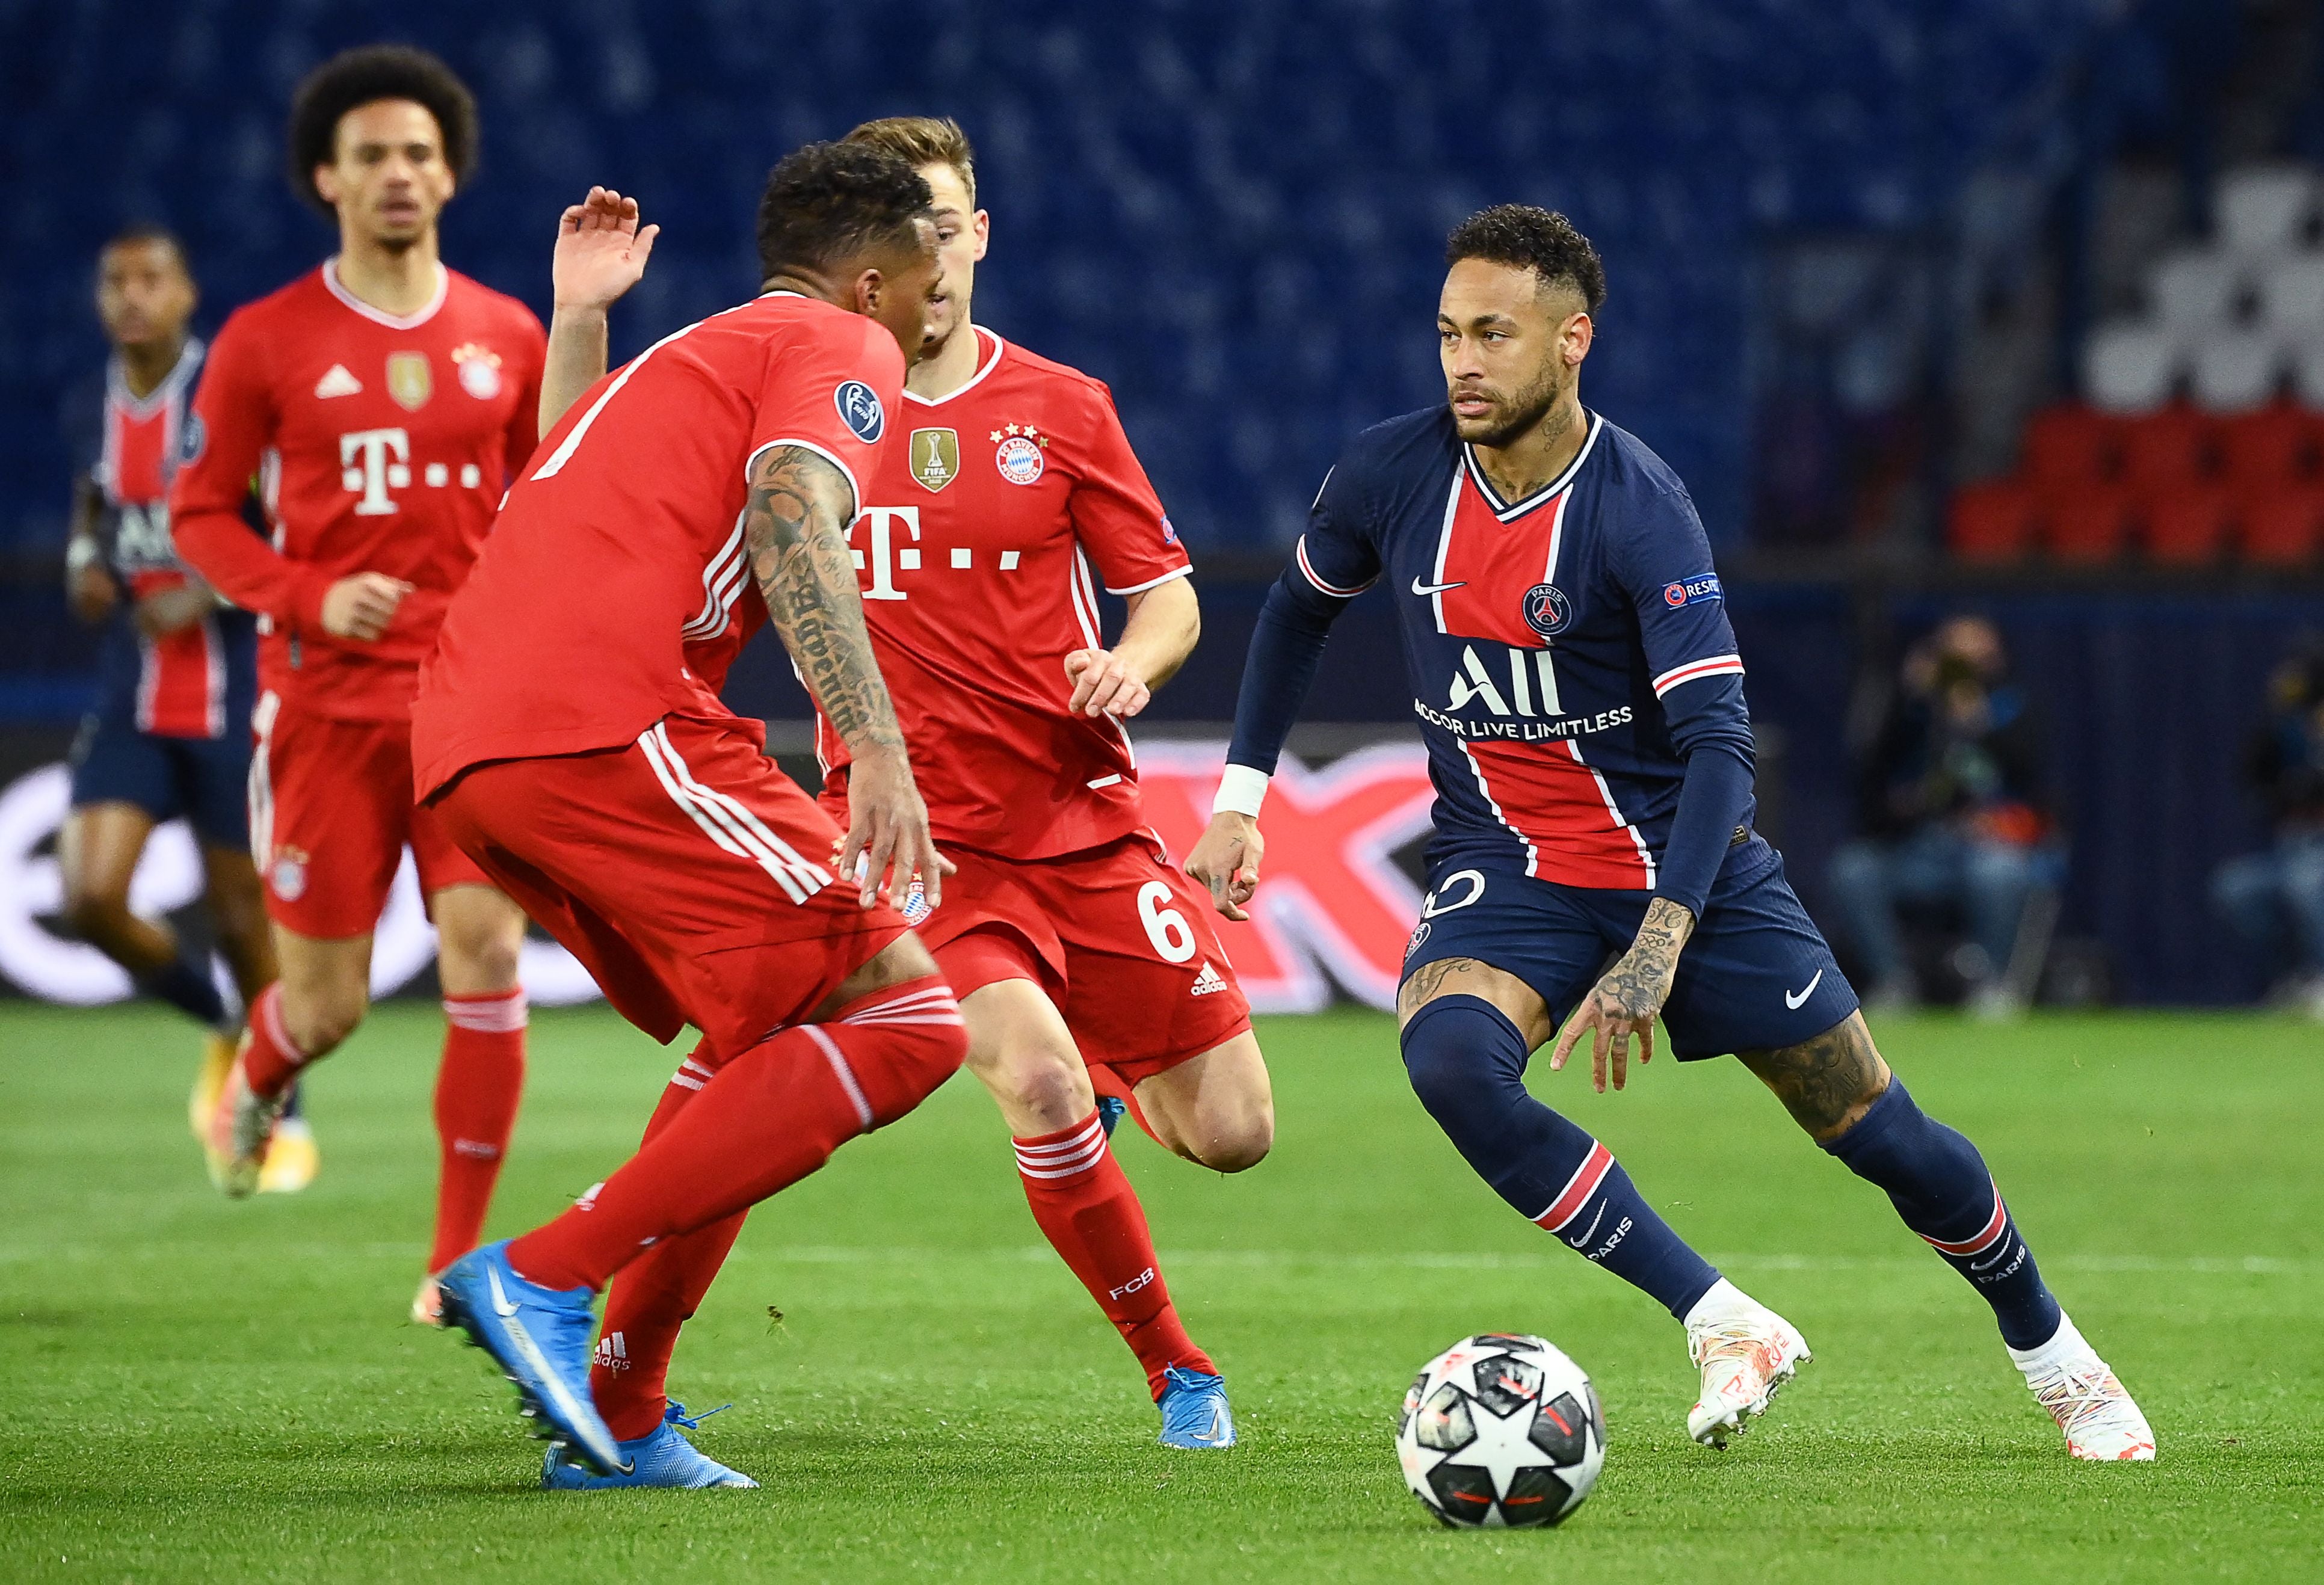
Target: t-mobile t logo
point(375, 461)
point(885, 557)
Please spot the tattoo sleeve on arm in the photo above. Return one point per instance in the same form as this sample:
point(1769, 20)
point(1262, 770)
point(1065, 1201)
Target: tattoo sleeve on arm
point(795, 529)
point(1638, 978)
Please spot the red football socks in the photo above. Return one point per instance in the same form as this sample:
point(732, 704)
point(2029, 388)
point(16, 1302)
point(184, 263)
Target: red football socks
point(270, 1060)
point(1085, 1205)
point(765, 1119)
point(477, 1087)
point(654, 1295)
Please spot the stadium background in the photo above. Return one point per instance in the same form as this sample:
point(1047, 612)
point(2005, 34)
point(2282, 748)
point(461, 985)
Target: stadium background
point(1853, 246)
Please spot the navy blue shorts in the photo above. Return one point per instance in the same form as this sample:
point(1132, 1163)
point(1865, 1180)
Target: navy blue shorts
point(205, 779)
point(1755, 976)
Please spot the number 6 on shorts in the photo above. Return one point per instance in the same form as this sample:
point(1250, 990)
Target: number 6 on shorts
point(1165, 926)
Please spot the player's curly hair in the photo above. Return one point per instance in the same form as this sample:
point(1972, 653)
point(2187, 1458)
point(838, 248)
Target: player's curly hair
point(1529, 238)
point(364, 76)
point(828, 202)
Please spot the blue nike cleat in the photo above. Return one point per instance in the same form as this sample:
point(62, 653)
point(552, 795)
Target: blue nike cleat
point(1194, 1412)
point(541, 1339)
point(1110, 1110)
point(662, 1457)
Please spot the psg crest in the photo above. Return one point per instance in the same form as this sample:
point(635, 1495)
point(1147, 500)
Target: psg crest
point(859, 407)
point(1548, 610)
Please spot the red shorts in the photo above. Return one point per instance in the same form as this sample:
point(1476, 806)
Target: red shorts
point(1121, 941)
point(689, 874)
point(330, 813)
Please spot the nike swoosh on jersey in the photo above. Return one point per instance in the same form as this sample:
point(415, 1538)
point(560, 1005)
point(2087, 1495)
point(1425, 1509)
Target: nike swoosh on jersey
point(1799, 1001)
point(1426, 590)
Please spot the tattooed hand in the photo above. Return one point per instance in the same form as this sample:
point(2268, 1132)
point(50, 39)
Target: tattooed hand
point(794, 527)
point(1627, 999)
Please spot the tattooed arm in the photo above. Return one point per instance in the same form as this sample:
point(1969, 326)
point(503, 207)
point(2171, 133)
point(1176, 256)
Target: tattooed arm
point(1625, 1001)
point(794, 528)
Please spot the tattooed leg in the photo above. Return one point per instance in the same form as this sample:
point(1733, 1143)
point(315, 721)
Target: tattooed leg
point(1840, 1091)
point(1520, 1002)
point(1827, 1083)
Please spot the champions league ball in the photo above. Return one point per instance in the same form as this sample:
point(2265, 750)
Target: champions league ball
point(1501, 1430)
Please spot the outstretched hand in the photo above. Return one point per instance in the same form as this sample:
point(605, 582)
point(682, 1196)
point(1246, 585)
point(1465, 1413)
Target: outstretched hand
point(1225, 860)
point(1627, 998)
point(600, 251)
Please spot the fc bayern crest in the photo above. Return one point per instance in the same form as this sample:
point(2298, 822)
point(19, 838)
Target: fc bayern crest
point(1548, 610)
point(1020, 460)
point(479, 370)
point(859, 407)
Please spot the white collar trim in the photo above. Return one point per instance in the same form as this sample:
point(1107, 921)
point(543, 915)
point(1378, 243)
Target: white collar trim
point(973, 380)
point(1508, 511)
point(377, 317)
point(180, 374)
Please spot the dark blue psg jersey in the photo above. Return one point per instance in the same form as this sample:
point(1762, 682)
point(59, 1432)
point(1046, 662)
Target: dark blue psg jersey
point(1563, 651)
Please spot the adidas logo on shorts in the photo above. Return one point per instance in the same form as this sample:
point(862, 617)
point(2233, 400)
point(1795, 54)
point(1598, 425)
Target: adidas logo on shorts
point(1207, 982)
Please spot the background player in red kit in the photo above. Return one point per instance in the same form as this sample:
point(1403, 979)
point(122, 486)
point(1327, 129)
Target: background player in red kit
point(169, 735)
point(1078, 951)
point(384, 401)
point(563, 738)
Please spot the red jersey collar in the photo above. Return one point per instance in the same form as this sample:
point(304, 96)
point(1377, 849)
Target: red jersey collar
point(393, 321)
point(992, 361)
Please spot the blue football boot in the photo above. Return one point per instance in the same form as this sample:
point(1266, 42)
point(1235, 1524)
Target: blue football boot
point(1110, 1110)
point(541, 1339)
point(662, 1457)
point(1194, 1413)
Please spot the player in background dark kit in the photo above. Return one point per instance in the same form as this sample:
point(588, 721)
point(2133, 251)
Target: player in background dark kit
point(385, 400)
point(1582, 698)
point(170, 736)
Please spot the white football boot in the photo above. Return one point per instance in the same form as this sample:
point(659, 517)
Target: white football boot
point(241, 1128)
point(2101, 1421)
point(1746, 1352)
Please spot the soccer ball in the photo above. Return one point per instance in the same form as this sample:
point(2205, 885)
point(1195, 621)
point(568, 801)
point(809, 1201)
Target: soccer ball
point(1501, 1429)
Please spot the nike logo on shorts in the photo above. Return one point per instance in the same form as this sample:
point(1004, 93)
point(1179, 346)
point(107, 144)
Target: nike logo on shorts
point(1801, 1000)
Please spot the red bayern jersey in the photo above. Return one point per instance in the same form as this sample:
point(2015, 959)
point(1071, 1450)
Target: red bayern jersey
point(977, 552)
point(381, 444)
point(622, 544)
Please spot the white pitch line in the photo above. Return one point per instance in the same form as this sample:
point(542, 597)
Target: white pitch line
point(1492, 1260)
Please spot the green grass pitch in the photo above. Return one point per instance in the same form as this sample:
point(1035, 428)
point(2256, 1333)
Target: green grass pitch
point(191, 1390)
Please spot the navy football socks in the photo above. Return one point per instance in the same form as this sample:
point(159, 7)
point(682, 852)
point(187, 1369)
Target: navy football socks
point(189, 989)
point(1467, 1064)
point(1941, 1187)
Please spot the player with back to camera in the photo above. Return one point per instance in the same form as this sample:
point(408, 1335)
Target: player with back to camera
point(1581, 699)
point(384, 402)
point(566, 742)
point(169, 735)
point(1078, 951)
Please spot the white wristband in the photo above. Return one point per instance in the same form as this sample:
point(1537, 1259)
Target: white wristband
point(1242, 789)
